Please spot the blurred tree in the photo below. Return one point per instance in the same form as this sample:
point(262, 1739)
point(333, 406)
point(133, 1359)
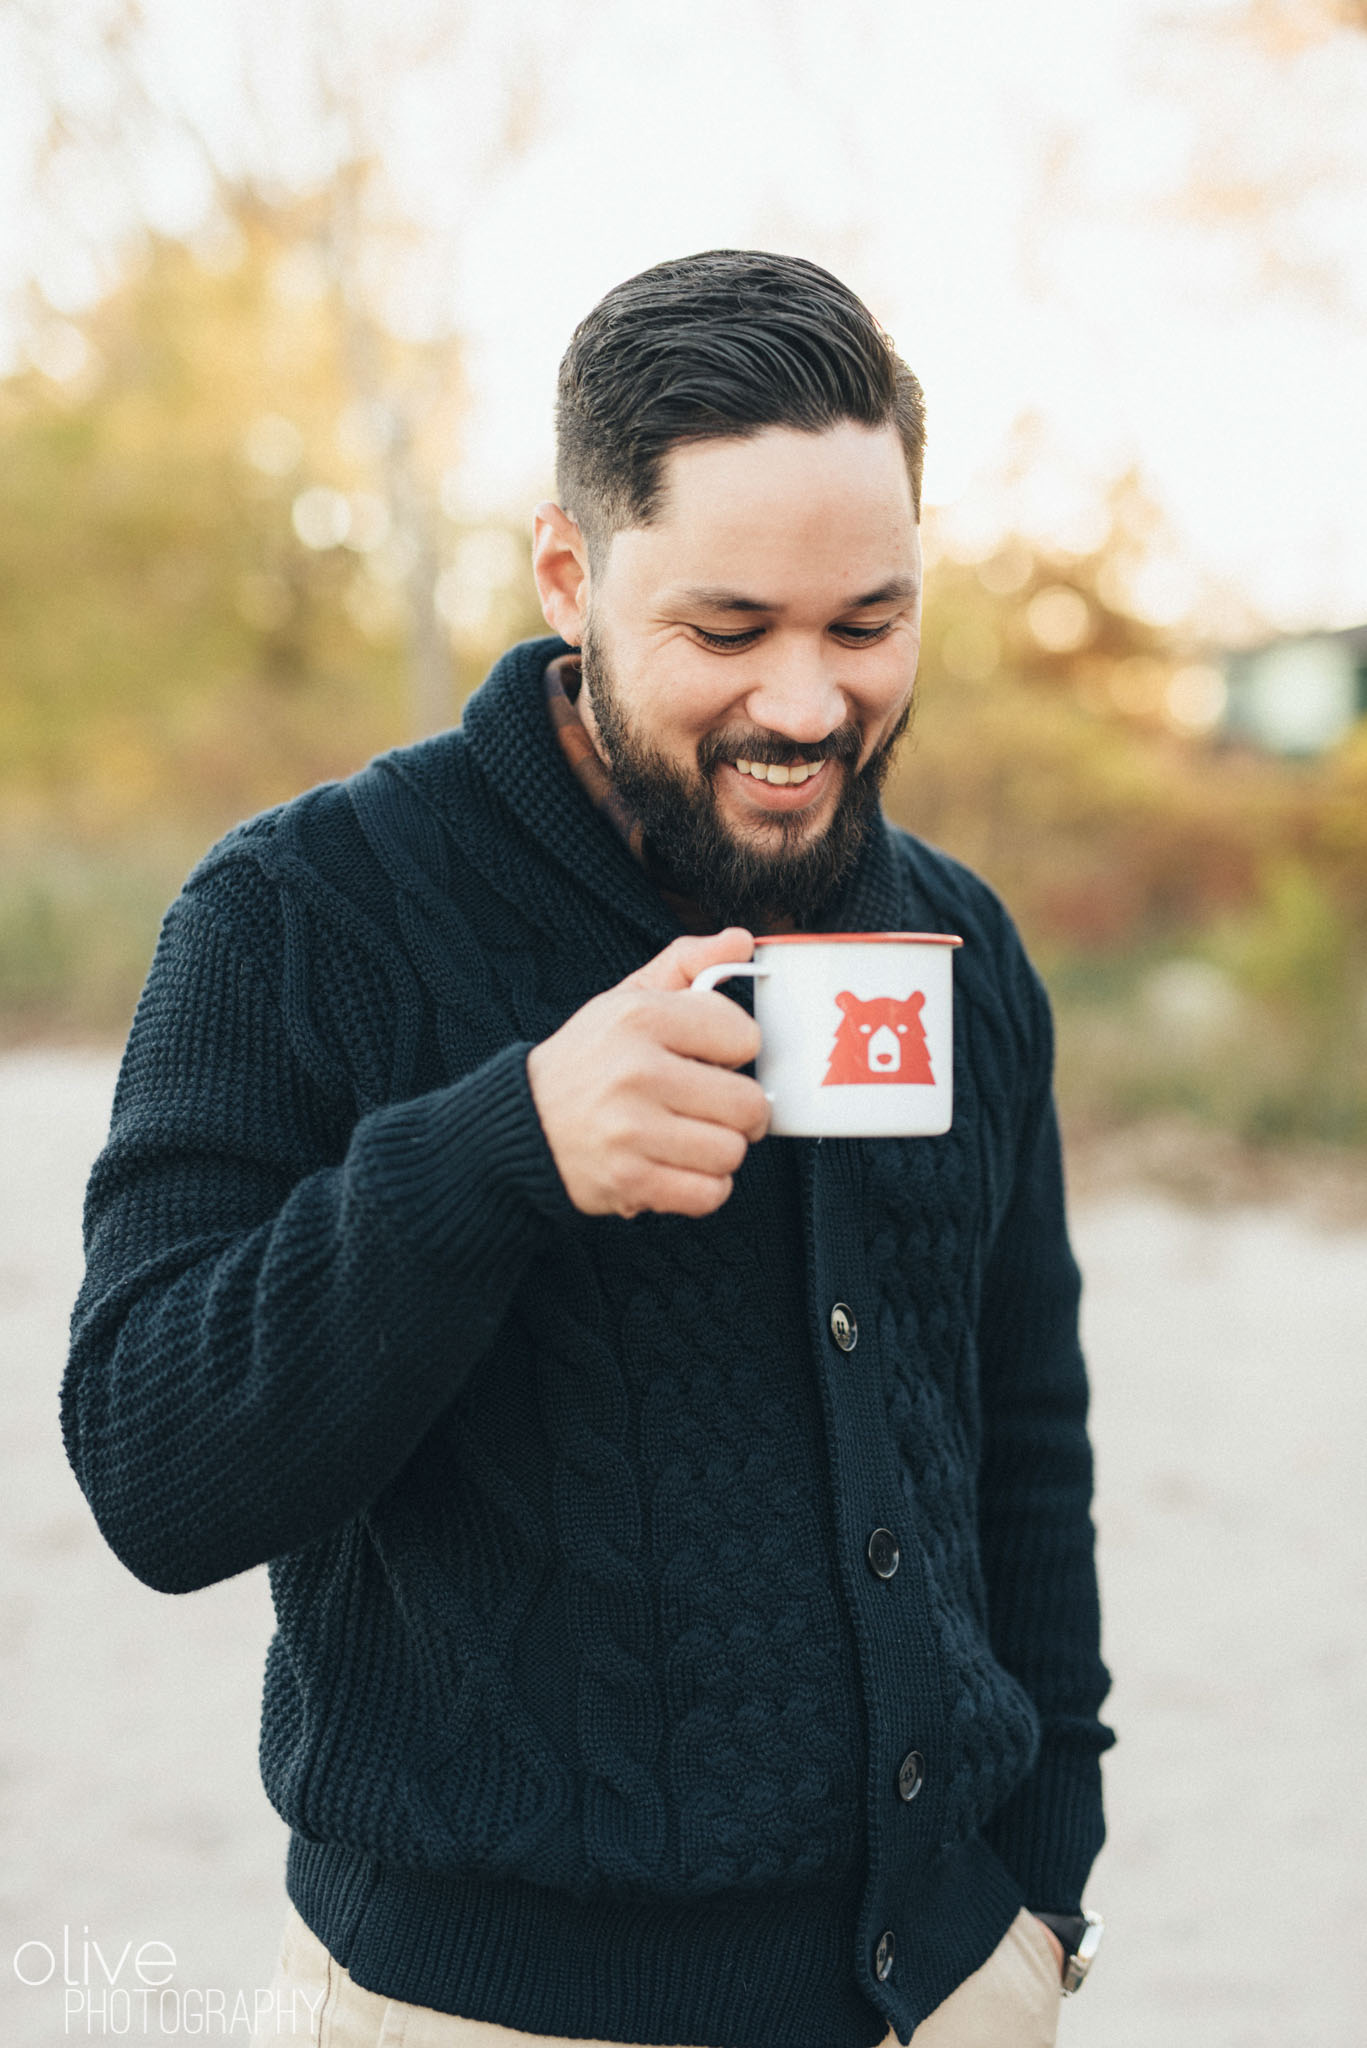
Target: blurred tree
point(313, 101)
point(1070, 750)
point(1199, 910)
point(202, 590)
point(190, 463)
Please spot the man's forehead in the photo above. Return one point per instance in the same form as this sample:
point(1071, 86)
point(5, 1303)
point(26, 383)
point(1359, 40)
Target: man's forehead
point(865, 460)
point(742, 525)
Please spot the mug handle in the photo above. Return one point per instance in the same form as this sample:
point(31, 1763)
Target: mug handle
point(728, 970)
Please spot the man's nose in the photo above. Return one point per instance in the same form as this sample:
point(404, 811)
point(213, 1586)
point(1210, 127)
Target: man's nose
point(799, 698)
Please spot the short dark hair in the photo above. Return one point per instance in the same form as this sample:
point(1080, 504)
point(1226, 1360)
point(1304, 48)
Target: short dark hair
point(711, 346)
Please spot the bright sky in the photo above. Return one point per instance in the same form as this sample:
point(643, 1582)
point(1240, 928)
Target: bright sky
point(1009, 188)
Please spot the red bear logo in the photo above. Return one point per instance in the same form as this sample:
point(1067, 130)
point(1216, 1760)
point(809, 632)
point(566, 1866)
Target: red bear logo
point(882, 1040)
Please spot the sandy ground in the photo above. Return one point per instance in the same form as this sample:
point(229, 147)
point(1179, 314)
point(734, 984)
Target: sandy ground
point(1229, 1362)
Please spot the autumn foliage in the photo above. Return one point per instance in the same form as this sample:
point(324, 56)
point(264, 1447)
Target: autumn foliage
point(205, 603)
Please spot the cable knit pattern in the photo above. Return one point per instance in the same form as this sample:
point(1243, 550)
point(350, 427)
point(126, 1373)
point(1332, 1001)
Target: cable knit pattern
point(763, 1723)
point(584, 1707)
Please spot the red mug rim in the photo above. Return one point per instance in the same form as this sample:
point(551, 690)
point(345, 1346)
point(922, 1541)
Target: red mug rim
point(859, 938)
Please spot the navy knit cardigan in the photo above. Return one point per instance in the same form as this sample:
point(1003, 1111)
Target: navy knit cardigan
point(586, 1708)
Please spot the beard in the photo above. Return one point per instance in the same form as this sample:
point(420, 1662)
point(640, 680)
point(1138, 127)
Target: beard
point(693, 850)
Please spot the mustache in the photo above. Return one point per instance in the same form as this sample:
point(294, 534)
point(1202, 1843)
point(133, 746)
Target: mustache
point(773, 749)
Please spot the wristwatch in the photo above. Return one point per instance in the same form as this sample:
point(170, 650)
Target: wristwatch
point(1080, 1934)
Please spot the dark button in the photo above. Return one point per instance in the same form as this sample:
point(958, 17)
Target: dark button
point(844, 1327)
point(911, 1774)
point(883, 1955)
point(884, 1556)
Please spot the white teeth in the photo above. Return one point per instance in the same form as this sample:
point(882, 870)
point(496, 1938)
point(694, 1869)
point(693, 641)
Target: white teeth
point(777, 775)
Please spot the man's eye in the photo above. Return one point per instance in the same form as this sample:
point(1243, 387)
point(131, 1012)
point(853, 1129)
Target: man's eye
point(862, 635)
point(727, 640)
point(857, 636)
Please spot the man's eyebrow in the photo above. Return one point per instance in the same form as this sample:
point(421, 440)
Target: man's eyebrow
point(711, 597)
point(714, 597)
point(897, 588)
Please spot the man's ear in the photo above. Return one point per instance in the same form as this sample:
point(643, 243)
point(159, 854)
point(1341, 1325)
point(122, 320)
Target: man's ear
point(560, 563)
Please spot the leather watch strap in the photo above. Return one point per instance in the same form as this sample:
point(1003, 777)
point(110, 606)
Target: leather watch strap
point(1069, 1927)
point(1080, 1934)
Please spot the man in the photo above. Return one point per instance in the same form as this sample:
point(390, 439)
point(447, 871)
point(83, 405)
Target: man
point(679, 1538)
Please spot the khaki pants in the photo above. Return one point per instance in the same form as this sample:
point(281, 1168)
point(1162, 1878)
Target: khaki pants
point(1011, 2002)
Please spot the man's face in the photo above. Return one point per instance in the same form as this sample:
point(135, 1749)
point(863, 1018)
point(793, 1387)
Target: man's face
point(749, 660)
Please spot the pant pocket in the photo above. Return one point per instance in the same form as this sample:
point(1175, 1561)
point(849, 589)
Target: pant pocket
point(299, 1988)
point(1012, 2001)
point(1030, 1939)
point(1033, 1937)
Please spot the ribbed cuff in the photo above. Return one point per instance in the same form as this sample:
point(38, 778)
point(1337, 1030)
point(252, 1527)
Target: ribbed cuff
point(1050, 1830)
point(463, 1164)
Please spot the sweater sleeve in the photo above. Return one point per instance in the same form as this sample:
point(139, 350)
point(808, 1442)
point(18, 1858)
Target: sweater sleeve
point(1037, 1538)
point(278, 1302)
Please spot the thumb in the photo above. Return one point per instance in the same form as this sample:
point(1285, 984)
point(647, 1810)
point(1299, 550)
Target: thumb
point(680, 961)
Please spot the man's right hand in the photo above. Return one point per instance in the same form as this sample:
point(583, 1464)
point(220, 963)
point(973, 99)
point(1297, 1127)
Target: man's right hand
point(636, 1092)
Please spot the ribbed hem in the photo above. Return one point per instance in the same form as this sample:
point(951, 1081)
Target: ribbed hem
point(1050, 1830)
point(772, 1973)
point(741, 1972)
point(464, 1162)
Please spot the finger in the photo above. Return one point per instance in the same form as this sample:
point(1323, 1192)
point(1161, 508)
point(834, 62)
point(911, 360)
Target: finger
point(667, 1191)
point(687, 957)
point(715, 1095)
point(704, 1025)
point(694, 1146)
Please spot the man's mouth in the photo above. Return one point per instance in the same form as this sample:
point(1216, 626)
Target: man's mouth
point(780, 773)
point(771, 788)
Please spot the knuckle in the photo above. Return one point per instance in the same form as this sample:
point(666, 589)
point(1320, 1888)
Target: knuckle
point(651, 1019)
point(627, 1081)
point(653, 1066)
point(633, 1168)
point(636, 1072)
point(633, 1006)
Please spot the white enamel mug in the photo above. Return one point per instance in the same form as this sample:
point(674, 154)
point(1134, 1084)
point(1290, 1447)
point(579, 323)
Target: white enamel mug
point(856, 1031)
